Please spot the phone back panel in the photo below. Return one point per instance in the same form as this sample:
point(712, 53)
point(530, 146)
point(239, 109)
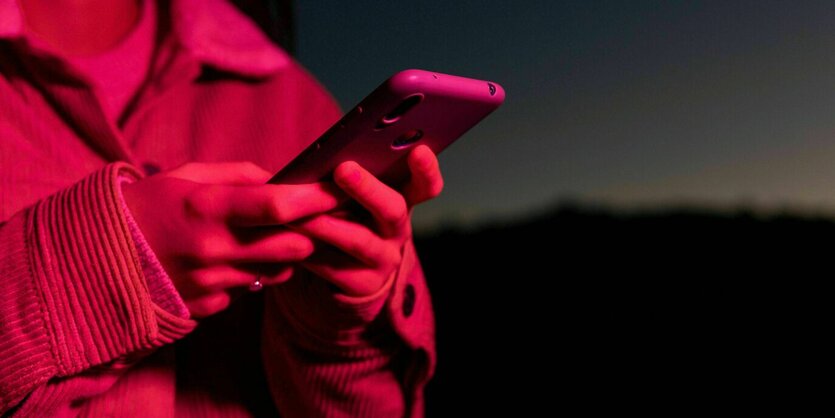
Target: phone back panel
point(412, 107)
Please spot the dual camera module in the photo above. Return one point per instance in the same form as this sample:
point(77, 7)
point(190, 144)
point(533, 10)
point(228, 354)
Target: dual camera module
point(409, 137)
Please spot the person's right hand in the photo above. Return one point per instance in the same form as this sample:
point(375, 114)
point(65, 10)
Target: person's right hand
point(209, 225)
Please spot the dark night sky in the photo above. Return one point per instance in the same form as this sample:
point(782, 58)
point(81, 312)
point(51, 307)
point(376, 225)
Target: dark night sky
point(636, 104)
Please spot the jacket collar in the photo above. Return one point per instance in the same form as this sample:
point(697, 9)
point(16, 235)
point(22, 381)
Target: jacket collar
point(202, 28)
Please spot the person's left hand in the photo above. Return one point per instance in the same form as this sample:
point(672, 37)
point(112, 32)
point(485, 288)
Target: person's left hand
point(360, 256)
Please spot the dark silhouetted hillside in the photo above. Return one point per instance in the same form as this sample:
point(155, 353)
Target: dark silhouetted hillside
point(618, 312)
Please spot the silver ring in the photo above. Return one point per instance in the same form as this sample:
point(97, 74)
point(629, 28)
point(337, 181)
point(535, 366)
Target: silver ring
point(256, 286)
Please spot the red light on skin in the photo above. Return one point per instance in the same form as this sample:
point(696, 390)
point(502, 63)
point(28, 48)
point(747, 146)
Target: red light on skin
point(214, 223)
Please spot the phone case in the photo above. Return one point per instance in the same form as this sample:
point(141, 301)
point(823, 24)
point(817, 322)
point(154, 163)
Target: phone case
point(410, 108)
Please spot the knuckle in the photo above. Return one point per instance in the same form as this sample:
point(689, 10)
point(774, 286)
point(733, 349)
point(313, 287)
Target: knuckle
point(397, 211)
point(393, 256)
point(189, 166)
point(356, 246)
point(208, 248)
point(369, 283)
point(300, 248)
point(201, 281)
point(189, 169)
point(379, 252)
point(275, 210)
point(195, 204)
point(251, 171)
point(250, 167)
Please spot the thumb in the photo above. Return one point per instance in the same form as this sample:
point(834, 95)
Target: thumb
point(228, 173)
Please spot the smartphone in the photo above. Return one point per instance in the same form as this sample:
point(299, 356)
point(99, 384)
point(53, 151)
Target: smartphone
point(412, 107)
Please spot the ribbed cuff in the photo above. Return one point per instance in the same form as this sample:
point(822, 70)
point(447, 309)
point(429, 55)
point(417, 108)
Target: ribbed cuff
point(162, 289)
point(25, 352)
point(325, 345)
point(89, 277)
point(324, 319)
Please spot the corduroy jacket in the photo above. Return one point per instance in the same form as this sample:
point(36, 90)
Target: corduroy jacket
point(85, 332)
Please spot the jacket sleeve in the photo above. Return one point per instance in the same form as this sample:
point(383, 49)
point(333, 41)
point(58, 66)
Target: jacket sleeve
point(327, 354)
point(76, 310)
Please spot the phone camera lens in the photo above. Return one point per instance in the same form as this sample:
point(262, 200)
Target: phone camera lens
point(408, 138)
point(401, 109)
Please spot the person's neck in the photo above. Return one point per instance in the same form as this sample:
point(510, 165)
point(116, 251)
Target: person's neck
point(80, 27)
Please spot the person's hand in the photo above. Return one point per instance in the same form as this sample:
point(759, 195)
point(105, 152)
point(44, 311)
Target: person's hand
point(360, 256)
point(213, 227)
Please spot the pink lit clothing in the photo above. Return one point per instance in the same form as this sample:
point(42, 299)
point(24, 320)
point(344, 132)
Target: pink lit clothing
point(117, 74)
point(90, 324)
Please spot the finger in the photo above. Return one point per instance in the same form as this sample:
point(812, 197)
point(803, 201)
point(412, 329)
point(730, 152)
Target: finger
point(386, 205)
point(218, 278)
point(209, 304)
point(426, 180)
point(356, 240)
point(346, 273)
point(230, 173)
point(266, 204)
point(283, 246)
point(280, 204)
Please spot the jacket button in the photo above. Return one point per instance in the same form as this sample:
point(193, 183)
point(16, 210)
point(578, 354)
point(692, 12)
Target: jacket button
point(409, 300)
point(150, 168)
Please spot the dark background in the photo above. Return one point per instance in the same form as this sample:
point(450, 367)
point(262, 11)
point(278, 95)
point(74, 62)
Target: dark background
point(635, 104)
point(586, 310)
point(644, 225)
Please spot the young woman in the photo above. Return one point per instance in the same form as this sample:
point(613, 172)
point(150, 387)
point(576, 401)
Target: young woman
point(146, 269)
